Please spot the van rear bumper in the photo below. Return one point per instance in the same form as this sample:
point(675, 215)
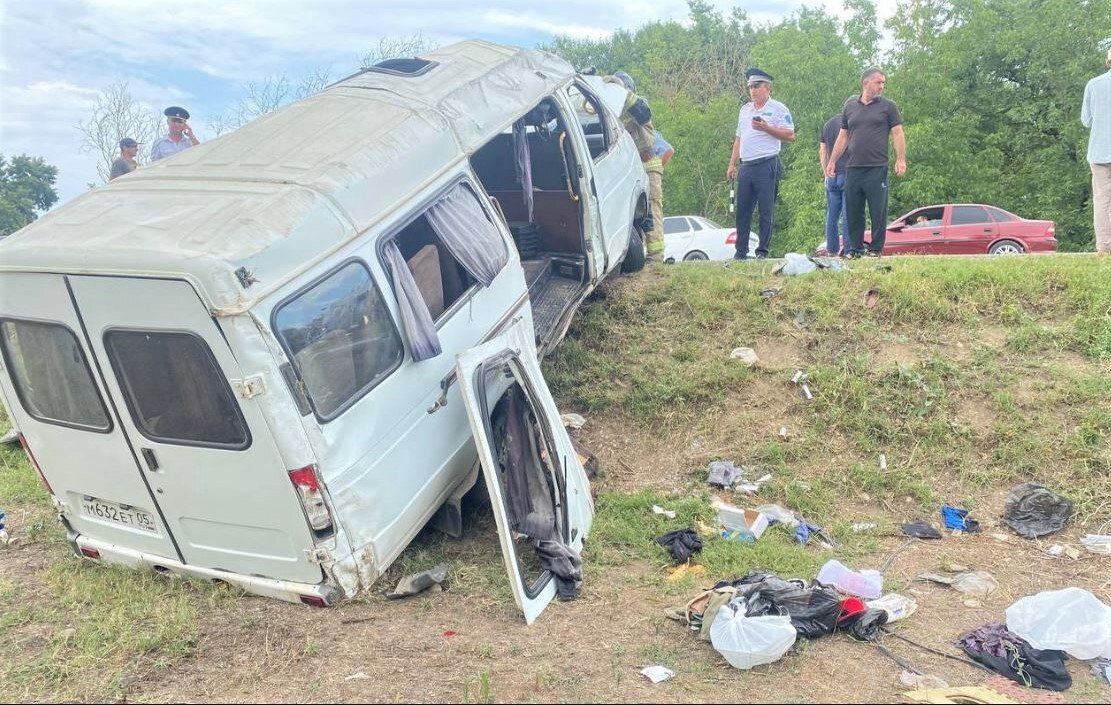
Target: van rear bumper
point(266, 587)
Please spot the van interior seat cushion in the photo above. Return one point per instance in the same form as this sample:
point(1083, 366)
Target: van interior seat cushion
point(425, 266)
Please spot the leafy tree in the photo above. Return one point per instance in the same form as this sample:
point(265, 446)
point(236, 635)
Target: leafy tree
point(26, 189)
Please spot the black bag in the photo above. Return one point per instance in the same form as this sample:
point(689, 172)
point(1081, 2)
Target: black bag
point(813, 610)
point(1042, 668)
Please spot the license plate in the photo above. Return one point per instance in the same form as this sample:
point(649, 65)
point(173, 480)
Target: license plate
point(119, 514)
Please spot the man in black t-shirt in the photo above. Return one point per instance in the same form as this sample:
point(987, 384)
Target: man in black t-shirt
point(866, 121)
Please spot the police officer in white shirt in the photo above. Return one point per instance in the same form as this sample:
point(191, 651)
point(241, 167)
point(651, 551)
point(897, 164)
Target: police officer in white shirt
point(762, 128)
point(181, 136)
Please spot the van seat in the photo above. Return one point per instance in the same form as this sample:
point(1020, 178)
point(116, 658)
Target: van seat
point(425, 266)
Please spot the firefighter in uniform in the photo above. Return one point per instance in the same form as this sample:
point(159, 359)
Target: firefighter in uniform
point(636, 116)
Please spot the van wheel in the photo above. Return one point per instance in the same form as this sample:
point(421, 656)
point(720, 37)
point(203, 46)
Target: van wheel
point(1006, 247)
point(696, 256)
point(636, 254)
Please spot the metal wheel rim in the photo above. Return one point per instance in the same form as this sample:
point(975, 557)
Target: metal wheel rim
point(1008, 250)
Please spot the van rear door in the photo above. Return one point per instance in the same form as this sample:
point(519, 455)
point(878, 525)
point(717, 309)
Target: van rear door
point(57, 399)
point(206, 451)
point(556, 487)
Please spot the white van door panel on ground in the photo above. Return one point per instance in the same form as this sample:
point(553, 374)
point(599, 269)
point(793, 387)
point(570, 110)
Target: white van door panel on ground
point(208, 454)
point(513, 350)
point(89, 466)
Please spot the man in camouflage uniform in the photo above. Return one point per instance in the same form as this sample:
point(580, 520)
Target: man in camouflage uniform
point(636, 116)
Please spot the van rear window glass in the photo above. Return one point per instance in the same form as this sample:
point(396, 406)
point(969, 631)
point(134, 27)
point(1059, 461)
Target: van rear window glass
point(341, 338)
point(175, 389)
point(51, 375)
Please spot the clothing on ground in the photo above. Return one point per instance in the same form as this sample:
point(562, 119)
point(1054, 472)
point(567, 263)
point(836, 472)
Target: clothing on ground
point(1004, 652)
point(869, 126)
point(681, 544)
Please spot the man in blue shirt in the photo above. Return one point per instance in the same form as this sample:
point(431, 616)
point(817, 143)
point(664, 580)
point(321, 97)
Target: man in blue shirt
point(1096, 116)
point(762, 127)
point(180, 138)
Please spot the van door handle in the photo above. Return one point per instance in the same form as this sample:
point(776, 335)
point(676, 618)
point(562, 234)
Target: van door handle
point(445, 385)
point(152, 462)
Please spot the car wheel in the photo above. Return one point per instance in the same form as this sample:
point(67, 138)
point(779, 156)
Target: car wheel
point(1006, 247)
point(636, 254)
point(695, 256)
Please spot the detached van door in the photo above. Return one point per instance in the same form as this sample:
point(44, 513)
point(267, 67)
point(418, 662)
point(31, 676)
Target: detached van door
point(206, 451)
point(501, 381)
point(56, 394)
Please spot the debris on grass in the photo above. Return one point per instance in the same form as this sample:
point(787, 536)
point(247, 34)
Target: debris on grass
point(895, 605)
point(1072, 620)
point(921, 529)
point(657, 674)
point(723, 473)
point(754, 486)
point(675, 573)
point(745, 355)
point(867, 584)
point(681, 544)
point(921, 681)
point(1032, 510)
point(575, 421)
point(743, 525)
point(862, 526)
point(957, 519)
point(657, 509)
point(970, 582)
point(1097, 543)
point(1057, 550)
point(778, 515)
point(419, 582)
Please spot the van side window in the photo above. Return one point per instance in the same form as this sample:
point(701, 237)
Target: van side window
point(51, 375)
point(175, 389)
point(592, 119)
point(442, 280)
point(340, 337)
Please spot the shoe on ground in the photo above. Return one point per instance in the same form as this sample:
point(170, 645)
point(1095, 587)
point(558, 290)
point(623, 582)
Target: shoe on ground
point(739, 256)
point(761, 256)
point(873, 253)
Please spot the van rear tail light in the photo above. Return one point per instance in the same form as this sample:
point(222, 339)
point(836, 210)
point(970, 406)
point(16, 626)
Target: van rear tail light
point(732, 238)
point(90, 552)
point(312, 500)
point(35, 464)
point(314, 600)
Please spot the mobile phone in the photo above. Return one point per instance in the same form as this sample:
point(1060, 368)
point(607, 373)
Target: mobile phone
point(757, 118)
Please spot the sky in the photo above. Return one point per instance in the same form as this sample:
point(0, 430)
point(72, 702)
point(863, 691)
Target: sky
point(56, 56)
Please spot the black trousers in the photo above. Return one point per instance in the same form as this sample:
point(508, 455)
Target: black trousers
point(757, 185)
point(866, 185)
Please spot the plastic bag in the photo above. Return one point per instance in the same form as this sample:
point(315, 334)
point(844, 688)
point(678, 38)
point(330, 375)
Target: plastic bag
point(1072, 620)
point(866, 583)
point(1033, 511)
point(813, 611)
point(750, 641)
point(895, 605)
point(796, 264)
point(975, 582)
point(1096, 543)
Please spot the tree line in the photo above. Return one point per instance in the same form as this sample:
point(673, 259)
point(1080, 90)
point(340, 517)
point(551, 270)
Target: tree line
point(989, 90)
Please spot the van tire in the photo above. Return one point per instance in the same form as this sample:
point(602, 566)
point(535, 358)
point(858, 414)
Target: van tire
point(636, 254)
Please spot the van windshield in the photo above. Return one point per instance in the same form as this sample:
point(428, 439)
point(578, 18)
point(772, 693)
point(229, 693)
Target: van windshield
point(51, 375)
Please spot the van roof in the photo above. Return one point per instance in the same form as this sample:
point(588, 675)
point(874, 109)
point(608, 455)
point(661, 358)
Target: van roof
point(285, 191)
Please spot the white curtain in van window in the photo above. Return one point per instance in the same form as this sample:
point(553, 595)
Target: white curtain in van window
point(470, 236)
point(524, 162)
point(415, 318)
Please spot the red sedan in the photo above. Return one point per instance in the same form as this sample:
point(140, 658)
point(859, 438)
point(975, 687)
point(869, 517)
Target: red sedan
point(965, 229)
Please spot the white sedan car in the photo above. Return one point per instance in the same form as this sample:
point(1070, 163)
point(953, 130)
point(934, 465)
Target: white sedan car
point(692, 237)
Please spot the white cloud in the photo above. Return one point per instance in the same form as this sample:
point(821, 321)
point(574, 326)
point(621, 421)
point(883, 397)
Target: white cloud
point(57, 55)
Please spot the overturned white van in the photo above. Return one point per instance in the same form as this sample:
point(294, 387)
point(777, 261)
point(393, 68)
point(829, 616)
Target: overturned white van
point(271, 359)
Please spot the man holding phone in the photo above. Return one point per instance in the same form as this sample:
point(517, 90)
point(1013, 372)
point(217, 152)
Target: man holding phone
point(762, 127)
point(181, 136)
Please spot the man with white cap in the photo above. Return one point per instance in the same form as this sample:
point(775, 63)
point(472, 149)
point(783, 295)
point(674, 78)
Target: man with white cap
point(1096, 116)
point(762, 127)
point(181, 136)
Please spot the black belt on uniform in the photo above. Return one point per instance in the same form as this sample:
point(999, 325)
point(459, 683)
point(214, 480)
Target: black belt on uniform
point(761, 160)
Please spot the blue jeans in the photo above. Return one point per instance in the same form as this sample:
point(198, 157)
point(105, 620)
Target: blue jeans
point(836, 216)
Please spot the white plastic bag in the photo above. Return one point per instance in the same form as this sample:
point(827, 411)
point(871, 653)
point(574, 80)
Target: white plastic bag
point(750, 641)
point(1072, 620)
point(797, 264)
point(895, 605)
point(865, 583)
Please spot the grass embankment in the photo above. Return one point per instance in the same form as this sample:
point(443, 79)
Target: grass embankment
point(968, 375)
